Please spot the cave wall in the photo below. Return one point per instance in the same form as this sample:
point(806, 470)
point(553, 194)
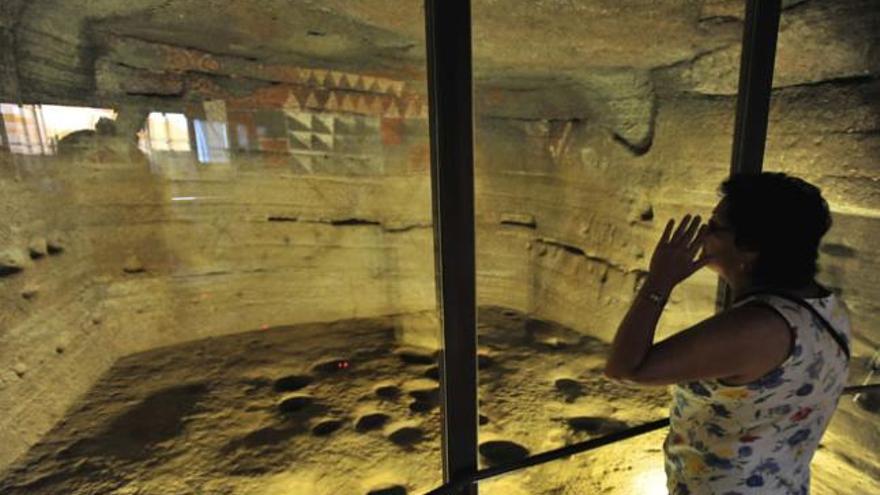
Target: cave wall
point(585, 207)
point(570, 207)
point(586, 190)
point(577, 170)
point(119, 267)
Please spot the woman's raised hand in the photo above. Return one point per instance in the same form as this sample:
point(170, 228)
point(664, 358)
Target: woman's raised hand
point(673, 258)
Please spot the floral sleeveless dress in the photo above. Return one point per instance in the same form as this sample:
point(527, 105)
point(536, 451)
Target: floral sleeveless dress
point(759, 438)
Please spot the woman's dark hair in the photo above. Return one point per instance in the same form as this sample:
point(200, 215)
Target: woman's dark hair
point(781, 217)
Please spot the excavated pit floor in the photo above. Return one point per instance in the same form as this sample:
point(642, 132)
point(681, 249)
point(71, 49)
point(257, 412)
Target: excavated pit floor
point(343, 408)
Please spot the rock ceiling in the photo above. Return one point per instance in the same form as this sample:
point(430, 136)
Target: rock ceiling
point(550, 59)
point(521, 35)
point(520, 40)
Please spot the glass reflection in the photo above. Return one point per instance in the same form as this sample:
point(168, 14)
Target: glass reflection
point(335, 130)
point(165, 132)
point(236, 252)
point(212, 141)
point(38, 129)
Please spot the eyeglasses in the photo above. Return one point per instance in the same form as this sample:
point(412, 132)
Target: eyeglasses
point(713, 226)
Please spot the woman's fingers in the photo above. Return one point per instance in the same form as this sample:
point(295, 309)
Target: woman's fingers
point(685, 231)
point(688, 233)
point(681, 227)
point(665, 237)
point(678, 246)
point(697, 243)
point(692, 228)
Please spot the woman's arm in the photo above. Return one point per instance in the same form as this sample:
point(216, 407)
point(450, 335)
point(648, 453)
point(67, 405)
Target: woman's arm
point(635, 335)
point(741, 342)
point(672, 262)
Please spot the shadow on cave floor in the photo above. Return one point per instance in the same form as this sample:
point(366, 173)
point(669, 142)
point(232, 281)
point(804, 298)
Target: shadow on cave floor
point(338, 408)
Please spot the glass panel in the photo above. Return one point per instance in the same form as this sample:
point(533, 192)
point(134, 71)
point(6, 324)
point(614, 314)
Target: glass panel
point(823, 129)
point(216, 253)
point(624, 121)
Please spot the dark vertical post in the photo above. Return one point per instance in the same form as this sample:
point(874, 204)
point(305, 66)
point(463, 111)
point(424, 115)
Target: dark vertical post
point(753, 97)
point(448, 37)
point(4, 138)
point(9, 76)
point(9, 90)
point(191, 132)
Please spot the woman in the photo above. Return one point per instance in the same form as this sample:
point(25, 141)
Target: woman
point(755, 385)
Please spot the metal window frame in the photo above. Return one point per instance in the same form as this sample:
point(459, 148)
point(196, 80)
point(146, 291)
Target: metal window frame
point(592, 444)
point(757, 59)
point(450, 77)
point(4, 137)
point(450, 92)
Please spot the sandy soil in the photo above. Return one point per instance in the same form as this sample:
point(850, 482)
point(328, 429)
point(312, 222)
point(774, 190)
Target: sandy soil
point(341, 408)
